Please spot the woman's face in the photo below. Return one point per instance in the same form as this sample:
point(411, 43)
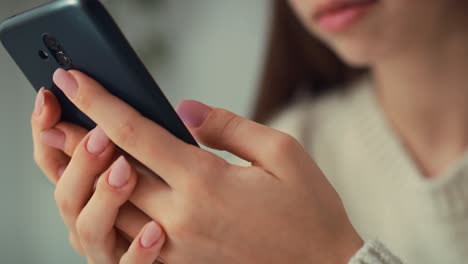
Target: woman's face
point(366, 32)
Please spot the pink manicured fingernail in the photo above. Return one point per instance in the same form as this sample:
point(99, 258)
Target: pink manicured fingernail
point(193, 113)
point(66, 82)
point(40, 102)
point(120, 173)
point(97, 142)
point(151, 235)
point(53, 138)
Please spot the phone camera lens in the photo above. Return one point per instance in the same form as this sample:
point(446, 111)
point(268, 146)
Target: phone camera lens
point(51, 42)
point(43, 55)
point(63, 59)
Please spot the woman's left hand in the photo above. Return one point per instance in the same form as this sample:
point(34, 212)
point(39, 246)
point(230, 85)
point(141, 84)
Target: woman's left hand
point(281, 209)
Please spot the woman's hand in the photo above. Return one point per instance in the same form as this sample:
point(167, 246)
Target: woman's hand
point(282, 209)
point(89, 214)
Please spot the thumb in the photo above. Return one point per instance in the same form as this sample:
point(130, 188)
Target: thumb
point(223, 130)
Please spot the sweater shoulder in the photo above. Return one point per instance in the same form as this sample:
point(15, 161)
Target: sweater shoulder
point(305, 119)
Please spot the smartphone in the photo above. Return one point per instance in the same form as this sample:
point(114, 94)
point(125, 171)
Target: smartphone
point(81, 35)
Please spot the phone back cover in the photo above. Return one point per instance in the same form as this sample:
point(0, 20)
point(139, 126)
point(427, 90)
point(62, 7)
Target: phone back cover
point(98, 48)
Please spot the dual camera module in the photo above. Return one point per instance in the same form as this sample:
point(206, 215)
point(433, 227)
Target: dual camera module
point(56, 50)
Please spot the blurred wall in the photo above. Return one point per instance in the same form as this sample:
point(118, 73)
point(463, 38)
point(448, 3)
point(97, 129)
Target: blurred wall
point(215, 51)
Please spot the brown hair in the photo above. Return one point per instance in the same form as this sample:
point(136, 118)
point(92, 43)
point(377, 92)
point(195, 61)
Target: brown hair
point(296, 60)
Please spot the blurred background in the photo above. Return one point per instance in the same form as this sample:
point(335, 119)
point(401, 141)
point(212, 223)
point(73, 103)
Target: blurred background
point(208, 50)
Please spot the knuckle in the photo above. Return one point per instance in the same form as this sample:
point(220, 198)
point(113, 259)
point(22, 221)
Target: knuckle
point(283, 144)
point(182, 230)
point(231, 126)
point(75, 243)
point(85, 231)
point(42, 160)
point(63, 203)
point(45, 164)
point(195, 187)
point(202, 174)
point(83, 100)
point(205, 163)
point(125, 133)
point(46, 169)
point(188, 224)
point(49, 165)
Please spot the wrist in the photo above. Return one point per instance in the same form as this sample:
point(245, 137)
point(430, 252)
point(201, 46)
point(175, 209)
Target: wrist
point(345, 247)
point(349, 249)
point(339, 250)
point(374, 252)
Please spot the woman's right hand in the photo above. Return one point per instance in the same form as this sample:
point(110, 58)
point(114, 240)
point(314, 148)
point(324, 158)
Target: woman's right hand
point(72, 158)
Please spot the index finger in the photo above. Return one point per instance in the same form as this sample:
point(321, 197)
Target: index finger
point(146, 141)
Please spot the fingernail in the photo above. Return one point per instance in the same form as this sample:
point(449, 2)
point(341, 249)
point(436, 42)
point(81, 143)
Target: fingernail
point(53, 138)
point(98, 141)
point(193, 113)
point(151, 235)
point(40, 102)
point(120, 173)
point(66, 82)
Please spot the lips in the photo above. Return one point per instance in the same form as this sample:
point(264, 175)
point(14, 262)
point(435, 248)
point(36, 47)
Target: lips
point(337, 15)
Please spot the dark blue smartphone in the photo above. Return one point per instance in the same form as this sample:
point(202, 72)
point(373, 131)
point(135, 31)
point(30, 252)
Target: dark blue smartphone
point(81, 35)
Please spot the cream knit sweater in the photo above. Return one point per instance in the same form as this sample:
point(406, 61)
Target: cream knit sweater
point(387, 199)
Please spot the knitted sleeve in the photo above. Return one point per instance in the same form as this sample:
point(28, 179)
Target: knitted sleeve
point(374, 252)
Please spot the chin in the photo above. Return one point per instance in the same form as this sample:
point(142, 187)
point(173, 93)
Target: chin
point(355, 54)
